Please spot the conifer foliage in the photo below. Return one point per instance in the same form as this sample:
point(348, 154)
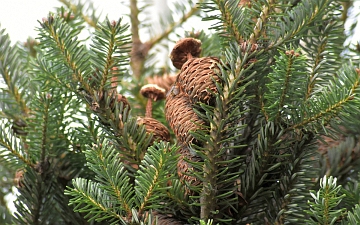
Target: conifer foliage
point(253, 121)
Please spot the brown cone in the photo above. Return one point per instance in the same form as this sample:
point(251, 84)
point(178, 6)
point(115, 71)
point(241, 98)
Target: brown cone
point(165, 219)
point(184, 50)
point(159, 131)
point(19, 178)
point(181, 117)
point(184, 168)
point(121, 98)
point(164, 81)
point(19, 126)
point(197, 78)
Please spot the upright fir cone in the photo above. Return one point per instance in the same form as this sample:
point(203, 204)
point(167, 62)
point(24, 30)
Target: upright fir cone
point(181, 116)
point(198, 76)
point(182, 119)
point(185, 169)
point(159, 131)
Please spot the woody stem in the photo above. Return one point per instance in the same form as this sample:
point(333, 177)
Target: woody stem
point(148, 112)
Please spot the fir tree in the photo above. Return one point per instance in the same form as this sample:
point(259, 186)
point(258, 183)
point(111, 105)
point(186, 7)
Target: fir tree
point(254, 122)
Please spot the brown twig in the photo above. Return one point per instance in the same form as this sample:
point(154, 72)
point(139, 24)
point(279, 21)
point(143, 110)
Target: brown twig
point(172, 26)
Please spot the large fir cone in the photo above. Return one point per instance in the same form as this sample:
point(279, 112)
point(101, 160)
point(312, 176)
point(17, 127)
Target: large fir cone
point(184, 168)
point(181, 116)
point(165, 81)
point(159, 131)
point(198, 77)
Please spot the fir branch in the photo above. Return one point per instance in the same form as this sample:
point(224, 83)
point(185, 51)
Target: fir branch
point(336, 99)
point(210, 169)
point(297, 177)
point(12, 147)
point(12, 70)
point(133, 140)
point(90, 198)
point(221, 153)
point(46, 99)
point(229, 11)
point(78, 9)
point(323, 209)
point(341, 161)
point(297, 20)
point(151, 180)
point(62, 39)
point(262, 21)
point(111, 175)
point(284, 89)
point(108, 48)
point(326, 36)
point(260, 163)
point(354, 216)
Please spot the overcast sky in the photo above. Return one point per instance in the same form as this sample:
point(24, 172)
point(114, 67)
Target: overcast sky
point(20, 17)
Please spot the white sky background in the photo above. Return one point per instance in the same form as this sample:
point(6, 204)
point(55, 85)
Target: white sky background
point(20, 17)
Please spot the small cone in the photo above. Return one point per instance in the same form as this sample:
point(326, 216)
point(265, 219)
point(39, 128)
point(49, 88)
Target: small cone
point(162, 219)
point(19, 126)
point(159, 131)
point(153, 92)
point(163, 81)
point(184, 50)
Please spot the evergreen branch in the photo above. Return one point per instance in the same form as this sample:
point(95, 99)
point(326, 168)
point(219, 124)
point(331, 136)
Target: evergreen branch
point(62, 39)
point(297, 20)
point(341, 161)
point(261, 21)
point(33, 205)
point(46, 100)
point(108, 42)
point(153, 41)
point(11, 69)
point(325, 37)
point(12, 148)
point(88, 197)
point(49, 72)
point(294, 185)
point(337, 99)
point(229, 17)
point(32, 190)
point(156, 169)
point(354, 216)
point(323, 209)
point(133, 141)
point(77, 9)
point(285, 89)
point(111, 175)
point(222, 151)
point(210, 168)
